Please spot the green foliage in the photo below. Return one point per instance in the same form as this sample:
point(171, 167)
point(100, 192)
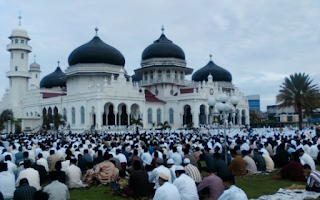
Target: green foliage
point(254, 117)
point(164, 125)
point(5, 116)
point(137, 122)
point(298, 91)
point(56, 119)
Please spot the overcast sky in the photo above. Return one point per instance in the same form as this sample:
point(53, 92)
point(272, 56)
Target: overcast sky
point(259, 41)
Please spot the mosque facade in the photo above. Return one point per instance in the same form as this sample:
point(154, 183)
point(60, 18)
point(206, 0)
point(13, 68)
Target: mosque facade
point(96, 91)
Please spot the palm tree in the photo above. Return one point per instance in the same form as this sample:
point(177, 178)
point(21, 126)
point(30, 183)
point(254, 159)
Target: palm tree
point(298, 91)
point(164, 125)
point(137, 122)
point(254, 117)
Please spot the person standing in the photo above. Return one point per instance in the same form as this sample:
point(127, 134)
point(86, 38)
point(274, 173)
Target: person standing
point(166, 190)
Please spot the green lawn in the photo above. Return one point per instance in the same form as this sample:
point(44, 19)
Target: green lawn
point(254, 186)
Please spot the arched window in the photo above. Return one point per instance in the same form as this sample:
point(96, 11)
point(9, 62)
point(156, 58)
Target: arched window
point(159, 74)
point(11, 55)
point(31, 114)
point(171, 120)
point(151, 75)
point(65, 114)
point(175, 75)
point(146, 76)
point(27, 114)
point(16, 68)
point(158, 116)
point(150, 116)
point(22, 41)
point(22, 55)
point(73, 115)
point(168, 74)
point(16, 41)
point(36, 75)
point(82, 115)
point(181, 76)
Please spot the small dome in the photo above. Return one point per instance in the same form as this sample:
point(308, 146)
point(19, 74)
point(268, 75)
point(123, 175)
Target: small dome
point(34, 66)
point(136, 78)
point(218, 73)
point(55, 79)
point(163, 48)
point(19, 32)
point(96, 51)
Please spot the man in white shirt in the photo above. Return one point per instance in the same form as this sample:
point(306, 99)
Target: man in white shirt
point(7, 184)
point(31, 174)
point(306, 159)
point(186, 185)
point(166, 190)
point(146, 157)
point(176, 156)
point(43, 162)
point(11, 166)
point(73, 174)
point(154, 175)
point(122, 158)
point(231, 191)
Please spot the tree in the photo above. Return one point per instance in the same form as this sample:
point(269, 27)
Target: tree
point(5, 116)
point(164, 125)
point(298, 91)
point(254, 117)
point(137, 122)
point(56, 119)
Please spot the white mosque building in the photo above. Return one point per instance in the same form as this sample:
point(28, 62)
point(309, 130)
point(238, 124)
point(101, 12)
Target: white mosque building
point(95, 90)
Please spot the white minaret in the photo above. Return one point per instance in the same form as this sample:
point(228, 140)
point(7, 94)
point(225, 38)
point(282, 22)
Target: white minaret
point(19, 74)
point(34, 74)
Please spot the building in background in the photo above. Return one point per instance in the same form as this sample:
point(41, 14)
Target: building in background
point(95, 90)
point(254, 102)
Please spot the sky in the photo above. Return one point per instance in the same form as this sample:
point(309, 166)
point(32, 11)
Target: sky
point(260, 42)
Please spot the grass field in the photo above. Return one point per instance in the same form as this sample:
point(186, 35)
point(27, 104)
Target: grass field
point(254, 186)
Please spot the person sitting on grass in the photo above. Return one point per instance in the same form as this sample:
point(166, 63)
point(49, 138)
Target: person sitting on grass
point(89, 177)
point(106, 171)
point(119, 184)
point(293, 170)
point(313, 178)
point(231, 191)
point(237, 165)
point(55, 189)
point(74, 176)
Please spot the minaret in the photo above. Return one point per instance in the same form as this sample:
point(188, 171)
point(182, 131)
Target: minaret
point(35, 74)
point(19, 73)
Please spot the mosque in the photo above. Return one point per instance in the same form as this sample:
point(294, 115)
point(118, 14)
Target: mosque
point(95, 90)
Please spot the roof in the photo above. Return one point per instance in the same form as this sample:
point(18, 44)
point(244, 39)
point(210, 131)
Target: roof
point(187, 90)
point(55, 79)
point(151, 97)
point(96, 51)
point(46, 95)
point(163, 48)
point(218, 73)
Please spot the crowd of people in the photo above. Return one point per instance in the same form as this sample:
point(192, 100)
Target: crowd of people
point(173, 164)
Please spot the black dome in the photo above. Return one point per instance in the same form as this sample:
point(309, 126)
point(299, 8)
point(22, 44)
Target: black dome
point(136, 77)
point(218, 73)
point(54, 79)
point(96, 51)
point(163, 48)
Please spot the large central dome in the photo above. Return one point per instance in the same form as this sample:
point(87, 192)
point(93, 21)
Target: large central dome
point(96, 51)
point(163, 48)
